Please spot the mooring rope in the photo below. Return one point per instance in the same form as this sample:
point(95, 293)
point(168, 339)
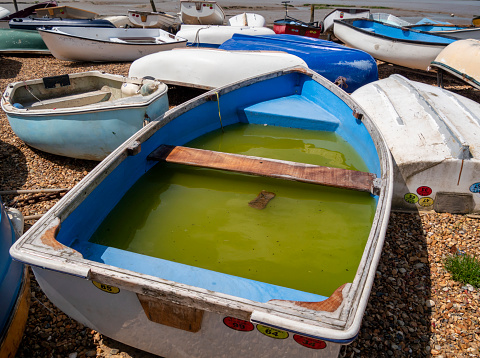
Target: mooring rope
point(219, 114)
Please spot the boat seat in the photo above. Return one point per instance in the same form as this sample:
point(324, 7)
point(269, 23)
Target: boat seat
point(76, 100)
point(284, 110)
point(145, 40)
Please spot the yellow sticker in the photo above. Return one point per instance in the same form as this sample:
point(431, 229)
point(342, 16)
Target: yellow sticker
point(272, 332)
point(425, 201)
point(106, 288)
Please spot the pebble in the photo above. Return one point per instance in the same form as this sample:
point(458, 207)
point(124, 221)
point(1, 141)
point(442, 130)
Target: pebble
point(399, 321)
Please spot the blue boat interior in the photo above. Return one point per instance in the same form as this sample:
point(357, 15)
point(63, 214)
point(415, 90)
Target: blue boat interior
point(401, 33)
point(290, 100)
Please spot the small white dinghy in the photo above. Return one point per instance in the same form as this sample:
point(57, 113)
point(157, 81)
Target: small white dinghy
point(460, 59)
point(82, 115)
point(201, 13)
point(152, 19)
point(210, 68)
point(434, 141)
point(214, 35)
point(247, 19)
point(107, 45)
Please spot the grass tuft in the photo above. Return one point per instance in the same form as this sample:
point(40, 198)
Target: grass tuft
point(464, 269)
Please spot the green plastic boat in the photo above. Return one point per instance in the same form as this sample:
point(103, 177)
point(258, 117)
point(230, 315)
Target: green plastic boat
point(22, 41)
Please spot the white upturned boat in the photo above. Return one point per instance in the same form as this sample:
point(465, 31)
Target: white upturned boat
point(152, 19)
point(214, 36)
point(392, 44)
point(342, 14)
point(247, 19)
point(214, 272)
point(434, 138)
point(210, 68)
point(107, 45)
point(83, 115)
point(194, 12)
point(461, 60)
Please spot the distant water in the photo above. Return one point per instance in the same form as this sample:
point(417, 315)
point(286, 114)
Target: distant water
point(411, 10)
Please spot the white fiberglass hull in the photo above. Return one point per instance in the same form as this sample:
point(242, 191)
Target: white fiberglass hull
point(412, 55)
point(107, 46)
point(210, 68)
point(433, 141)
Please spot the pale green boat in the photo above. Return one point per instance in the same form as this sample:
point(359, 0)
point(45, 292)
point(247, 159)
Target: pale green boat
point(22, 41)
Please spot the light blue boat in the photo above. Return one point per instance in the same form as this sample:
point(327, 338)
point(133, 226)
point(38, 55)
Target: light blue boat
point(14, 287)
point(349, 67)
point(398, 45)
point(84, 115)
point(177, 308)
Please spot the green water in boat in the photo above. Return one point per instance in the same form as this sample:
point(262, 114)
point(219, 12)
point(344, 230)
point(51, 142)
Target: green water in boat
point(308, 237)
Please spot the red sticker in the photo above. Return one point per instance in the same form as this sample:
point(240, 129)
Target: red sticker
point(424, 190)
point(238, 324)
point(309, 342)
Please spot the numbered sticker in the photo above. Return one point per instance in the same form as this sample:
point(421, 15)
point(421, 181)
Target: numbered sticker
point(238, 324)
point(106, 288)
point(475, 188)
point(425, 202)
point(272, 332)
point(411, 198)
point(424, 191)
point(309, 342)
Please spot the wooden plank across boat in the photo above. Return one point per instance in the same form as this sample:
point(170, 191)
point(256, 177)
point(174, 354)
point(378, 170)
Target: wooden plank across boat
point(157, 254)
point(301, 172)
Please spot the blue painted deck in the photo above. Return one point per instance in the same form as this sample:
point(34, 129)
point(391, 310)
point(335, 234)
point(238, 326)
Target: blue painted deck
point(329, 59)
point(400, 33)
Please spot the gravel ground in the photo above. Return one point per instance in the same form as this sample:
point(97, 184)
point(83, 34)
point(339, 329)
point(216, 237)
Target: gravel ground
point(415, 309)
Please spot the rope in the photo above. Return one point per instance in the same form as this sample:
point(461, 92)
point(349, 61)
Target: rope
point(219, 114)
point(29, 91)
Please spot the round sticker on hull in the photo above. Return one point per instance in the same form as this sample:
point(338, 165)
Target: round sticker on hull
point(425, 202)
point(475, 188)
point(272, 332)
point(424, 190)
point(238, 324)
point(411, 198)
point(309, 342)
point(106, 288)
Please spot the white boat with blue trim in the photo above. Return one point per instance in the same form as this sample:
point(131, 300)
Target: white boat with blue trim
point(244, 296)
point(82, 115)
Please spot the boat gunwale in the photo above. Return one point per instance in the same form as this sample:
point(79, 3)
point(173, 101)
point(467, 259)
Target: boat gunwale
point(347, 23)
point(340, 326)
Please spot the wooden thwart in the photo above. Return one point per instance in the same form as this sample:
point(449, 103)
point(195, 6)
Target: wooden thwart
point(307, 173)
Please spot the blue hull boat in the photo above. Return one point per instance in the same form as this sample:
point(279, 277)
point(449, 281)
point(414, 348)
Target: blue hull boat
point(14, 290)
point(33, 23)
point(398, 45)
point(177, 308)
point(348, 67)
